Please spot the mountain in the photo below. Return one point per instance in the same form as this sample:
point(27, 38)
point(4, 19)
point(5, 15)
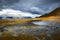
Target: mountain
point(52, 16)
point(55, 12)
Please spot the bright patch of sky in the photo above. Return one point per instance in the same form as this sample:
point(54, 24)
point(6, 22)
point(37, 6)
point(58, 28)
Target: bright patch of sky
point(16, 13)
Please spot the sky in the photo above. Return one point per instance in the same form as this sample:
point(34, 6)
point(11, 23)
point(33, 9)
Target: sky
point(33, 7)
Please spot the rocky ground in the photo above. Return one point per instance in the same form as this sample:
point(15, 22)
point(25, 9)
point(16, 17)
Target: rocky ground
point(29, 31)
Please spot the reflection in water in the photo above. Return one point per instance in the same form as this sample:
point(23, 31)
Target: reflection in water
point(42, 22)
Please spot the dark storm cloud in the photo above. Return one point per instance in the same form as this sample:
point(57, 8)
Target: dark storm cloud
point(0, 4)
point(52, 1)
point(7, 2)
point(34, 6)
point(48, 5)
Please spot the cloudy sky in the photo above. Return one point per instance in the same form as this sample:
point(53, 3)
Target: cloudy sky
point(31, 6)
